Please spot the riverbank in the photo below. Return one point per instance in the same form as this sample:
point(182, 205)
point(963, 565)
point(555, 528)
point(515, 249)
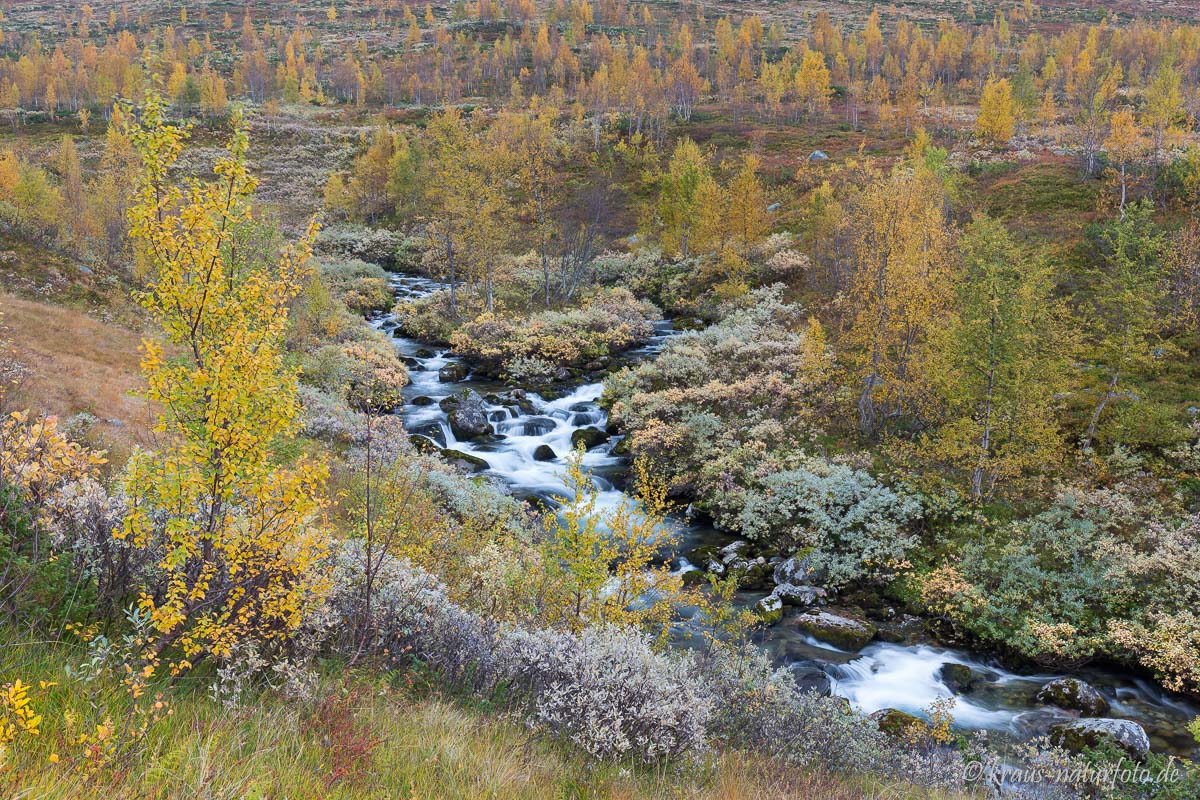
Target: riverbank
point(893, 661)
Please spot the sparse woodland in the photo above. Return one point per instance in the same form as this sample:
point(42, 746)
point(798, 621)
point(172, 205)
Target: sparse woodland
point(932, 279)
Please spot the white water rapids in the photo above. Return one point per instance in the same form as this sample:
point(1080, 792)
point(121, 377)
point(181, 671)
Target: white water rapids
point(883, 675)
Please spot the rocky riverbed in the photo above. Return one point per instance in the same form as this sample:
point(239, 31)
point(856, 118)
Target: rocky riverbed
point(864, 649)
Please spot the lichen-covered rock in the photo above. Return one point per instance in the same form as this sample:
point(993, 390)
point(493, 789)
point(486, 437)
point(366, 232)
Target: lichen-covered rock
point(469, 419)
point(1084, 733)
point(796, 571)
point(769, 609)
point(453, 373)
point(1075, 695)
point(842, 632)
point(799, 596)
point(734, 550)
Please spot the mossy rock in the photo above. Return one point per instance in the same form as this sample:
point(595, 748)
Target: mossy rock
point(588, 437)
point(464, 461)
point(1075, 695)
point(769, 609)
point(1084, 734)
point(422, 400)
point(898, 724)
point(844, 633)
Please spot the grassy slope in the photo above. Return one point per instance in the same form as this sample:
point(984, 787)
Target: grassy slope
point(78, 363)
point(368, 736)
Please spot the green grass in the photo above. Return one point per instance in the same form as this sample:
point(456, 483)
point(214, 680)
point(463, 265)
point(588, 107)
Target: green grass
point(367, 734)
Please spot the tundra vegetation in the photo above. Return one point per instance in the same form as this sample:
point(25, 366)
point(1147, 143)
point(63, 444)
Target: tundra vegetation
point(935, 274)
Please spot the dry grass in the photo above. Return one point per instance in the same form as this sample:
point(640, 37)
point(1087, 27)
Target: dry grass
point(76, 363)
point(366, 736)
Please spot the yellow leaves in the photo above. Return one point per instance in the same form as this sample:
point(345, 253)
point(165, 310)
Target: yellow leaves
point(17, 714)
point(997, 113)
point(239, 537)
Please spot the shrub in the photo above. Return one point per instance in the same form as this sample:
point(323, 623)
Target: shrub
point(1046, 586)
point(409, 617)
point(724, 407)
point(373, 245)
point(852, 526)
point(608, 692)
point(607, 321)
point(362, 287)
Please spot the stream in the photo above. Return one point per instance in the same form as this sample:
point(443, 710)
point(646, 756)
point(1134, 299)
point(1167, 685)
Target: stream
point(905, 674)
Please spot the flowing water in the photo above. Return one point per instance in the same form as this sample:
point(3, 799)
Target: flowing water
point(882, 675)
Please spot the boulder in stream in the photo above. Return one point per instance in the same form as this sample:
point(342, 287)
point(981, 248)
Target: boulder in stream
point(959, 678)
point(796, 571)
point(544, 452)
point(769, 609)
point(422, 400)
point(1075, 695)
point(844, 633)
point(538, 426)
point(469, 419)
point(589, 438)
point(453, 373)
point(810, 677)
point(423, 444)
point(1083, 733)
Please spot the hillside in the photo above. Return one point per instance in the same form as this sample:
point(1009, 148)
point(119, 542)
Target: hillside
point(600, 398)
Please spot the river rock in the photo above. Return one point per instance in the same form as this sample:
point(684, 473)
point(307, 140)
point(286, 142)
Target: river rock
point(959, 678)
point(589, 438)
point(621, 448)
point(422, 400)
point(734, 550)
point(752, 574)
point(796, 571)
point(769, 609)
point(452, 373)
point(464, 461)
point(844, 633)
point(1073, 694)
point(544, 452)
point(538, 426)
point(801, 596)
point(897, 723)
point(902, 629)
point(810, 677)
point(469, 418)
point(1082, 733)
